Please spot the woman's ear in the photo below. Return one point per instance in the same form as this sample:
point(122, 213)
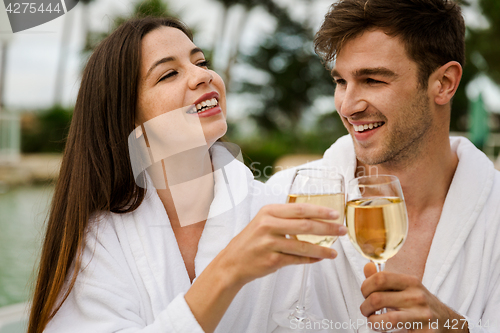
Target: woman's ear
point(444, 82)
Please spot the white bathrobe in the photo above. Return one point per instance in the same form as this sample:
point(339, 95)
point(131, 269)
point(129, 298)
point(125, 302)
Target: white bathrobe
point(134, 278)
point(463, 266)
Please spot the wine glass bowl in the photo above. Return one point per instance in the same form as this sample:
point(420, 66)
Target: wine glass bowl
point(376, 216)
point(322, 187)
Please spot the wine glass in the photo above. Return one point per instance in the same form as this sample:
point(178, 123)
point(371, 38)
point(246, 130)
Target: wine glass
point(322, 187)
point(376, 218)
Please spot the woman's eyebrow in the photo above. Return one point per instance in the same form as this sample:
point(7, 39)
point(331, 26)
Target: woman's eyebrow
point(159, 62)
point(168, 59)
point(195, 50)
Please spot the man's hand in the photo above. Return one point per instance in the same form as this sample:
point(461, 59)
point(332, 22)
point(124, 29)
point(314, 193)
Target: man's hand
point(410, 302)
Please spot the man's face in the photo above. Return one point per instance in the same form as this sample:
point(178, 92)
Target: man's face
point(377, 89)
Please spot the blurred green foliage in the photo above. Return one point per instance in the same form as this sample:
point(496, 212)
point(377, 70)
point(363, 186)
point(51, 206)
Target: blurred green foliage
point(156, 8)
point(261, 152)
point(482, 55)
point(296, 79)
point(46, 130)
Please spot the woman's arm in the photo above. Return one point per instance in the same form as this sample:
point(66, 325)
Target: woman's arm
point(260, 249)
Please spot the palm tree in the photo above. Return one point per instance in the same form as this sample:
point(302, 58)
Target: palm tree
point(85, 18)
point(234, 38)
point(62, 59)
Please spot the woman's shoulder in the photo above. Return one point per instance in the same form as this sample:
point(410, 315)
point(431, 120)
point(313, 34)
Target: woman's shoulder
point(107, 225)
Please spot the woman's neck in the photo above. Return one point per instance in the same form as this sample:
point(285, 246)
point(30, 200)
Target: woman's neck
point(189, 188)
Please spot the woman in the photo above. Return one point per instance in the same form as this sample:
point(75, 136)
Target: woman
point(116, 256)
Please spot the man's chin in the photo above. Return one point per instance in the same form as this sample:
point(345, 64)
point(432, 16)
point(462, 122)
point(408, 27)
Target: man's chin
point(368, 157)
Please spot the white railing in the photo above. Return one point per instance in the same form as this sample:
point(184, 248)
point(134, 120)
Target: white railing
point(14, 318)
point(10, 138)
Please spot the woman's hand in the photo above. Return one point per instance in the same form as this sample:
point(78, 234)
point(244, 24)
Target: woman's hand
point(258, 250)
point(262, 247)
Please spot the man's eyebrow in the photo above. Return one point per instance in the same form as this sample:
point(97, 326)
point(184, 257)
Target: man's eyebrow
point(380, 71)
point(168, 59)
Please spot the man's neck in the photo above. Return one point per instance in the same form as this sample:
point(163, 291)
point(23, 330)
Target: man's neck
point(426, 178)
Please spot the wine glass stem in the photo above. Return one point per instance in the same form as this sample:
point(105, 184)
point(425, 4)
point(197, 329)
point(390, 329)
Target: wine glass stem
point(380, 267)
point(301, 305)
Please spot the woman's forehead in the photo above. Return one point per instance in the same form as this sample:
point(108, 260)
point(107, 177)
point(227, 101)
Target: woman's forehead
point(164, 42)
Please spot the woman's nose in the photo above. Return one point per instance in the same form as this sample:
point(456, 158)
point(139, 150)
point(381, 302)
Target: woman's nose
point(199, 76)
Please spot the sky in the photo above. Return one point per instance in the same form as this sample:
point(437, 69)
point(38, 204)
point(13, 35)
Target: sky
point(33, 55)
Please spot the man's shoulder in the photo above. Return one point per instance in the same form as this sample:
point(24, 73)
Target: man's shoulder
point(285, 176)
point(336, 150)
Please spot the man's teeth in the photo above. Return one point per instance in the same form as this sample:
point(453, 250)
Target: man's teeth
point(364, 127)
point(205, 105)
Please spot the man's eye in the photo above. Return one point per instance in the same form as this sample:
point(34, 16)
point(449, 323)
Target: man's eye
point(169, 74)
point(339, 81)
point(373, 81)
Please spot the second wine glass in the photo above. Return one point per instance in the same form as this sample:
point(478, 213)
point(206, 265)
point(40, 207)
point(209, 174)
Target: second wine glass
point(376, 218)
point(322, 187)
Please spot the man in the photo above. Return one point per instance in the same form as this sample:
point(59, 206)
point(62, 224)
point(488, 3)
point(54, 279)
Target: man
point(397, 65)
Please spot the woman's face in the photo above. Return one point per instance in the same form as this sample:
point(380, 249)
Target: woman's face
point(174, 74)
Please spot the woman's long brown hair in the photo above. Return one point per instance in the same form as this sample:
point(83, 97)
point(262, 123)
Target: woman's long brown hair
point(96, 174)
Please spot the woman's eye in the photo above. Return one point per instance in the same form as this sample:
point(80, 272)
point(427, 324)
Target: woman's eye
point(169, 74)
point(204, 63)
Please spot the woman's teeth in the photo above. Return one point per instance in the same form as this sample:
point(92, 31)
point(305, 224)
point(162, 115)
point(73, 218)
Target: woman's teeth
point(205, 105)
point(362, 128)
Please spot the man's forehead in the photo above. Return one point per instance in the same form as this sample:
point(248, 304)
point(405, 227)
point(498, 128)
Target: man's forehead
point(372, 49)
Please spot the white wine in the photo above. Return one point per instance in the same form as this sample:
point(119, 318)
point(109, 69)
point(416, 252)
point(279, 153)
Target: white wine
point(333, 201)
point(377, 226)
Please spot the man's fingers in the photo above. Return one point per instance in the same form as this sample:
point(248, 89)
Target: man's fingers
point(379, 300)
point(370, 269)
point(301, 210)
point(384, 281)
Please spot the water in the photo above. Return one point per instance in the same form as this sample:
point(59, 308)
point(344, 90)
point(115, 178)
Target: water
point(23, 211)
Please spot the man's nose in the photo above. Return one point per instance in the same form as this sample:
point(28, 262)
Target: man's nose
point(351, 101)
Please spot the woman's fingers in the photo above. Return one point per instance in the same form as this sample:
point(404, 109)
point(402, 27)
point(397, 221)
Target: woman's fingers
point(297, 219)
point(308, 227)
point(290, 259)
point(303, 249)
point(300, 210)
